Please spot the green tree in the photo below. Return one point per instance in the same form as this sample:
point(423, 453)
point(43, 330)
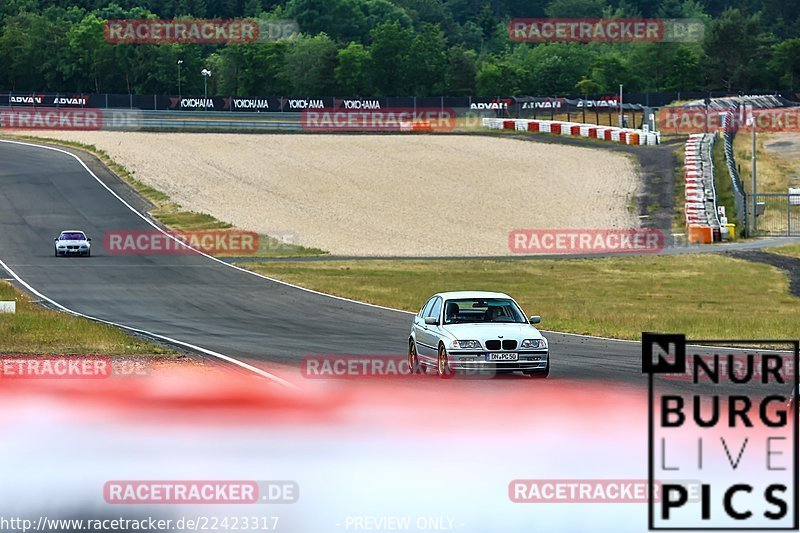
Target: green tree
point(736, 48)
point(380, 11)
point(352, 73)
point(93, 58)
point(785, 63)
point(684, 71)
point(342, 20)
point(389, 53)
point(34, 50)
point(309, 66)
point(495, 77)
point(460, 71)
point(427, 62)
point(586, 86)
point(550, 69)
point(610, 70)
point(575, 8)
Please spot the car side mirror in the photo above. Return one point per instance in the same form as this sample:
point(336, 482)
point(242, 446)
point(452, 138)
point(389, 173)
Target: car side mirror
point(431, 321)
point(88, 240)
point(535, 319)
point(55, 238)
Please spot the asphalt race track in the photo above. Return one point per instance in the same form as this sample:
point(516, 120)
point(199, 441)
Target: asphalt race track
point(197, 300)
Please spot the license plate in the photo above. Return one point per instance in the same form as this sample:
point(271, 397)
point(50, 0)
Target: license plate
point(502, 356)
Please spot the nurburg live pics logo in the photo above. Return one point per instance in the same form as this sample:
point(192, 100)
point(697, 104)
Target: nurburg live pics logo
point(731, 429)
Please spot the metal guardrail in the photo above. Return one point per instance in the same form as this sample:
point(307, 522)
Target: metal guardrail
point(708, 158)
point(149, 120)
point(700, 204)
point(739, 195)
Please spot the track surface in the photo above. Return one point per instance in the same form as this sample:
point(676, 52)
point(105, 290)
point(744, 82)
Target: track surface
point(197, 300)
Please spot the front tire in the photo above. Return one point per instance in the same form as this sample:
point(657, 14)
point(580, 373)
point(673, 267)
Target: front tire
point(413, 359)
point(443, 363)
point(543, 374)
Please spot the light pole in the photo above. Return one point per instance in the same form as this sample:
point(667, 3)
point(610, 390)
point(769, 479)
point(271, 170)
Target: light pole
point(180, 62)
point(206, 74)
point(620, 105)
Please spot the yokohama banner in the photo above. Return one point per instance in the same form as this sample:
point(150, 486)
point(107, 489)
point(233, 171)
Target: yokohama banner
point(497, 105)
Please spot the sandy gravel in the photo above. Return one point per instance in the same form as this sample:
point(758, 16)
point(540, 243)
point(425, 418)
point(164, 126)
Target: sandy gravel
point(380, 194)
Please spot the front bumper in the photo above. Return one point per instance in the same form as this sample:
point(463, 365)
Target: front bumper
point(527, 360)
point(72, 251)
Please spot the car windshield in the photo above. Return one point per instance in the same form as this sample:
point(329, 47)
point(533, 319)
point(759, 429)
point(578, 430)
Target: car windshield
point(72, 237)
point(481, 310)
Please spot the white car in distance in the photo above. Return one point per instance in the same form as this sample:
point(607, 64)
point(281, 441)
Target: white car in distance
point(72, 242)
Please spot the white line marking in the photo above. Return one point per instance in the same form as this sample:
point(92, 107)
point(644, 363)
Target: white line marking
point(242, 364)
point(224, 357)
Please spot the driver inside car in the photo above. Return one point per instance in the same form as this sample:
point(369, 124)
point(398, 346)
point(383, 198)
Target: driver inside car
point(451, 312)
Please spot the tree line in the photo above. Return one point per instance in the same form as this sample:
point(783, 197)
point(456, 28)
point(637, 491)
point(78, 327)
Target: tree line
point(398, 48)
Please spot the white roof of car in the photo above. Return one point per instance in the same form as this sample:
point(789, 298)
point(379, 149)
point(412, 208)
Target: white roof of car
point(72, 231)
point(456, 295)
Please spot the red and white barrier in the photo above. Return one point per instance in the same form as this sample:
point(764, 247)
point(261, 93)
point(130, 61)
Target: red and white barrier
point(702, 224)
point(574, 129)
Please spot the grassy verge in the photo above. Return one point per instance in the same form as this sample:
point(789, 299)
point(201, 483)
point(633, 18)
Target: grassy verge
point(790, 250)
point(702, 296)
point(34, 329)
point(774, 172)
point(172, 215)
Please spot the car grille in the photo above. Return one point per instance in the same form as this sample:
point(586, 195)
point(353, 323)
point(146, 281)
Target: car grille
point(72, 247)
point(495, 345)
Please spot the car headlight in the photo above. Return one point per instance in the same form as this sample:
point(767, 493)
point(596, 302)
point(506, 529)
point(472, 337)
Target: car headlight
point(474, 345)
point(534, 343)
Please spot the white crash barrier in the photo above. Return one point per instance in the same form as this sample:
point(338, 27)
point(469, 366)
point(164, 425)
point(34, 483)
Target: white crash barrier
point(575, 129)
point(700, 207)
point(8, 307)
